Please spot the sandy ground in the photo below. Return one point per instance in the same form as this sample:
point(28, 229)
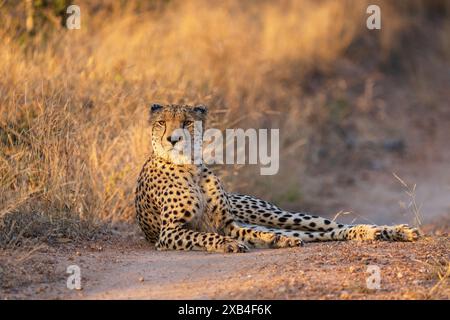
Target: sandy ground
point(118, 269)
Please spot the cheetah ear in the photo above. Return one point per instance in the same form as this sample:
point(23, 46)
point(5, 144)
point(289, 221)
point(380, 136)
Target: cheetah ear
point(155, 107)
point(201, 109)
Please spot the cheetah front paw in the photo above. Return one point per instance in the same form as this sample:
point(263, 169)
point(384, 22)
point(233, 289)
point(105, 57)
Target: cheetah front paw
point(233, 246)
point(281, 241)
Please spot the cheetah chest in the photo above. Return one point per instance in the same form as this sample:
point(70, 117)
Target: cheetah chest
point(203, 220)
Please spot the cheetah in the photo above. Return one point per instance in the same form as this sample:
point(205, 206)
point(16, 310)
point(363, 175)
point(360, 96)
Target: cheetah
point(183, 206)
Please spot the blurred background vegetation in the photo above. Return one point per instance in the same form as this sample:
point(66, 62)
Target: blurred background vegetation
point(73, 103)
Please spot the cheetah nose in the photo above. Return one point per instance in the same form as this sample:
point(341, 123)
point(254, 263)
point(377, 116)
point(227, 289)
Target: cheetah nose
point(174, 139)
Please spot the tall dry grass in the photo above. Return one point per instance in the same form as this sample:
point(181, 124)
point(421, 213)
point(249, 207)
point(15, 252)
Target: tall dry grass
point(73, 121)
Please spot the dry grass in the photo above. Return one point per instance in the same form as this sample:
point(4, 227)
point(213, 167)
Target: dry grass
point(414, 207)
point(73, 109)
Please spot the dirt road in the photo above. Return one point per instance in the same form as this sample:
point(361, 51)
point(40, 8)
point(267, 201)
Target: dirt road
point(335, 270)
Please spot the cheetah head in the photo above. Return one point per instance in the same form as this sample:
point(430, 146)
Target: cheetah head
point(174, 128)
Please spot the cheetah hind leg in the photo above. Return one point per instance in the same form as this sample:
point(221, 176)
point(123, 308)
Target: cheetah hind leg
point(264, 216)
point(358, 232)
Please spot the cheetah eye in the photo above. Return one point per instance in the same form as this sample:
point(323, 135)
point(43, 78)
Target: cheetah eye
point(161, 123)
point(187, 123)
